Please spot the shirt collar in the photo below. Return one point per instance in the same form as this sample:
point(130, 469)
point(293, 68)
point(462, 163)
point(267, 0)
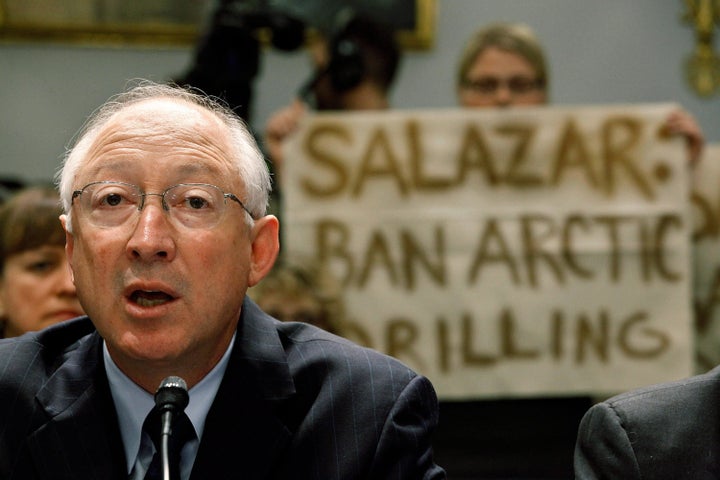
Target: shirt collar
point(132, 403)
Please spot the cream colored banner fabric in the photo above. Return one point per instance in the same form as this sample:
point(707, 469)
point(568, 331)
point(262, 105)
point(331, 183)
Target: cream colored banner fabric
point(533, 251)
point(706, 257)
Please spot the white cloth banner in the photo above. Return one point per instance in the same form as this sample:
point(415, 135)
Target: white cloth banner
point(522, 252)
point(706, 257)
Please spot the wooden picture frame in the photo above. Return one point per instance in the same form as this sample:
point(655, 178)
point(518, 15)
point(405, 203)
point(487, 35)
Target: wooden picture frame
point(179, 22)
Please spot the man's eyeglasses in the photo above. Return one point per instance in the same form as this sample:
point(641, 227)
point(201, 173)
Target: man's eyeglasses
point(517, 85)
point(112, 204)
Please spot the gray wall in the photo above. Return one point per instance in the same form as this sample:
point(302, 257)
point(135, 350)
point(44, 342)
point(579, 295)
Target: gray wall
point(599, 51)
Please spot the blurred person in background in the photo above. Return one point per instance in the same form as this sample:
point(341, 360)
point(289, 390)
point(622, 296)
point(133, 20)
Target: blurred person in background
point(354, 67)
point(504, 65)
point(301, 291)
point(36, 286)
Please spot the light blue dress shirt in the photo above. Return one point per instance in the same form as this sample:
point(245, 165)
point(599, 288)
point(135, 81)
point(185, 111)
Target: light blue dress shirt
point(132, 405)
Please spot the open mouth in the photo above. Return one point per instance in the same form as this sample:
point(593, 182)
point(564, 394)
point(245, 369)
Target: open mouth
point(146, 298)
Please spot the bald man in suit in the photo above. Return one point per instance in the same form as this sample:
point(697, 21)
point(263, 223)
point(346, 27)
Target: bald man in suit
point(164, 194)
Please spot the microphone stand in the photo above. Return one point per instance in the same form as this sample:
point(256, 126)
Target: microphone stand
point(171, 398)
point(165, 443)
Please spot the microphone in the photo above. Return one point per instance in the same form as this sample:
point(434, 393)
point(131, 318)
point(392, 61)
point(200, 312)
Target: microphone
point(171, 398)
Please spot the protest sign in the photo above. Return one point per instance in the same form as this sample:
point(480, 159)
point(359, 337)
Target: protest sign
point(705, 197)
point(503, 253)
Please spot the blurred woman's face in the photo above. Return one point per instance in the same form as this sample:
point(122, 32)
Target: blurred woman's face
point(500, 78)
point(36, 290)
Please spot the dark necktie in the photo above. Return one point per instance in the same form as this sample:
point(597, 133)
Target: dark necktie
point(182, 432)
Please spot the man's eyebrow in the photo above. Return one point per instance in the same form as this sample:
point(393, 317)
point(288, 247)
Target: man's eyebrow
point(113, 166)
point(195, 167)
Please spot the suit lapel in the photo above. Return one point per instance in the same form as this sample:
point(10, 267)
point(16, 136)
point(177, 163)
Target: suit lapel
point(82, 438)
point(244, 431)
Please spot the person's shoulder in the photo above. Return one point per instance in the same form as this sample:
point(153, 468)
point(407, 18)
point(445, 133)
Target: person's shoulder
point(56, 335)
point(314, 338)
point(667, 430)
point(42, 350)
point(316, 356)
point(314, 347)
point(696, 393)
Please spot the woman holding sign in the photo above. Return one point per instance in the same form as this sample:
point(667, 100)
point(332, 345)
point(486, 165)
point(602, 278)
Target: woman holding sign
point(504, 65)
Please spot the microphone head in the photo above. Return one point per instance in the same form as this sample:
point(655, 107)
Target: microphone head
point(172, 394)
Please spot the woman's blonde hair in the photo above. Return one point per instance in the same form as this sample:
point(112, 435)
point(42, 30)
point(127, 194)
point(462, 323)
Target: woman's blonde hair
point(516, 38)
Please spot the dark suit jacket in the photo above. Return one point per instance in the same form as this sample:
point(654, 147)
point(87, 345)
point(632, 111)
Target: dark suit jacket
point(666, 431)
point(295, 403)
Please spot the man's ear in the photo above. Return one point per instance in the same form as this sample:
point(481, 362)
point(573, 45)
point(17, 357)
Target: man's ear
point(265, 248)
point(69, 242)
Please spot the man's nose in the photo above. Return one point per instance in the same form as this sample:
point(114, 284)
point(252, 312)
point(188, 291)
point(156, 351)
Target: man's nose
point(503, 95)
point(153, 235)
